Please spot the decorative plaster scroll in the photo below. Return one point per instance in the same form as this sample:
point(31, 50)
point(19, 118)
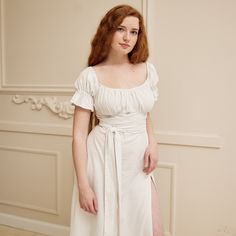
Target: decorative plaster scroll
point(63, 109)
point(40, 154)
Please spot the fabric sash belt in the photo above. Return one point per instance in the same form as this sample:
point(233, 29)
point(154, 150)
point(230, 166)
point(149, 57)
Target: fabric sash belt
point(113, 160)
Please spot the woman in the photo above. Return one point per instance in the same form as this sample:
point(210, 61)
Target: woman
point(114, 190)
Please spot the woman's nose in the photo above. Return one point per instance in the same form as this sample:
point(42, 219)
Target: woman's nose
point(126, 36)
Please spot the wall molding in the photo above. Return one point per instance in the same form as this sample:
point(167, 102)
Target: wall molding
point(36, 128)
point(34, 225)
point(63, 109)
point(189, 139)
point(28, 88)
point(145, 12)
point(172, 168)
point(55, 156)
point(163, 137)
point(2, 51)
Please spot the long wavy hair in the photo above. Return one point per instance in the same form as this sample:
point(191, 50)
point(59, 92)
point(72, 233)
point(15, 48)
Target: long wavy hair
point(102, 40)
point(101, 43)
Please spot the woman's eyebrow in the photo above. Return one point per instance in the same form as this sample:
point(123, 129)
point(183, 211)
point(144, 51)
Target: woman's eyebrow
point(125, 27)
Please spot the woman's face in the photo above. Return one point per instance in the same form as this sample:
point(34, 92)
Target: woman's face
point(126, 35)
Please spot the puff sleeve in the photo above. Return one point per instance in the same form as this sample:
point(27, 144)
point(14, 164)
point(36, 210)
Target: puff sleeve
point(154, 79)
point(84, 93)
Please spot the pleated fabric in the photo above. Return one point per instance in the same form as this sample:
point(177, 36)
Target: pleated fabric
point(115, 149)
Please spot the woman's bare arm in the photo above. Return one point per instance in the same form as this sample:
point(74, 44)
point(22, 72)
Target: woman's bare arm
point(151, 155)
point(87, 198)
point(79, 145)
point(151, 136)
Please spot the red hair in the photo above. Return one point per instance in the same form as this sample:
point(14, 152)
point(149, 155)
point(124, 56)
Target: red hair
point(102, 40)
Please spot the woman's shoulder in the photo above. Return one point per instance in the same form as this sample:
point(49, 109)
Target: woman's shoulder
point(152, 73)
point(140, 66)
point(148, 67)
point(86, 73)
point(86, 77)
point(100, 66)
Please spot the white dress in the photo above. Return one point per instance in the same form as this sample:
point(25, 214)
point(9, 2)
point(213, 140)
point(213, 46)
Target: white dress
point(115, 149)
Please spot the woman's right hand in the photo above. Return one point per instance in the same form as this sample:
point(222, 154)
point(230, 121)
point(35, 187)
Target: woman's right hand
point(88, 200)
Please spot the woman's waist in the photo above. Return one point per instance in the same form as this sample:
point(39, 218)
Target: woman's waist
point(127, 122)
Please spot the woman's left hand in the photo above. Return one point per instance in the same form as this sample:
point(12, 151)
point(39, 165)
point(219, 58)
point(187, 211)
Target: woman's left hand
point(150, 158)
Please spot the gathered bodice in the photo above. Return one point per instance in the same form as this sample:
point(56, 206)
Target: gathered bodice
point(111, 102)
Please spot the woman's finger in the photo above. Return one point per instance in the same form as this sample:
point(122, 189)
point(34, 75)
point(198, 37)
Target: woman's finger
point(95, 204)
point(146, 159)
point(150, 165)
point(153, 165)
point(91, 208)
point(85, 208)
point(82, 206)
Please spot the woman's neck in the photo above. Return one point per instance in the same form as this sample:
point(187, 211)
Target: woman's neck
point(115, 58)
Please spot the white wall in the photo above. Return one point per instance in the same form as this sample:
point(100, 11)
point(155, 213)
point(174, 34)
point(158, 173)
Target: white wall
point(193, 45)
point(45, 44)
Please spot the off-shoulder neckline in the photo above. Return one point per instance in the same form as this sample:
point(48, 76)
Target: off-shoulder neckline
point(122, 89)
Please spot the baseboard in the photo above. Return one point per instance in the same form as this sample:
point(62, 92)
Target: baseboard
point(34, 225)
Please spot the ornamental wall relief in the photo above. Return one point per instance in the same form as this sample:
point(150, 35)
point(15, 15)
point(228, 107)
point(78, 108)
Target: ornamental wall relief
point(63, 109)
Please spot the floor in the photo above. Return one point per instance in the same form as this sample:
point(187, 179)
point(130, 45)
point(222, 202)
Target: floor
point(10, 231)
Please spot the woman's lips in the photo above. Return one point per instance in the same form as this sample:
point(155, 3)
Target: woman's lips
point(124, 45)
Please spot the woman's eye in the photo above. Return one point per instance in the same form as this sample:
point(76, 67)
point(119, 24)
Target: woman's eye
point(120, 29)
point(134, 32)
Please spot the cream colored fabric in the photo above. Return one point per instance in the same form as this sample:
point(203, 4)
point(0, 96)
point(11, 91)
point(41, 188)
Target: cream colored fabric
point(116, 149)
